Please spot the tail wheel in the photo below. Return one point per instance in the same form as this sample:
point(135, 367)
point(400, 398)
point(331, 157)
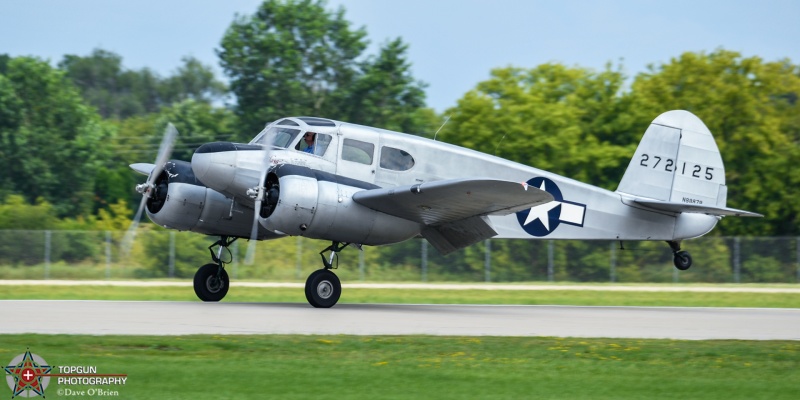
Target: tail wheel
point(323, 288)
point(211, 283)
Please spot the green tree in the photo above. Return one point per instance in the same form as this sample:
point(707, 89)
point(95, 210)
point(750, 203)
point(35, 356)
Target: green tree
point(291, 57)
point(192, 81)
point(118, 92)
point(751, 108)
point(52, 143)
point(4, 59)
point(295, 57)
point(385, 94)
point(105, 84)
point(17, 213)
point(570, 121)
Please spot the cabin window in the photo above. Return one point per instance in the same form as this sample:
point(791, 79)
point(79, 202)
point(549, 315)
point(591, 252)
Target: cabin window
point(358, 151)
point(396, 159)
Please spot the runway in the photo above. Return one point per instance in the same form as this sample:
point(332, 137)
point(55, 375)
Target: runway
point(186, 318)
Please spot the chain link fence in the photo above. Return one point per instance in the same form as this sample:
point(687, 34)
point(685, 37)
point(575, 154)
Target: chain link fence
point(26, 254)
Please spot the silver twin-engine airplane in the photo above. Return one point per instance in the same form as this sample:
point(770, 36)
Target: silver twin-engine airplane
point(353, 184)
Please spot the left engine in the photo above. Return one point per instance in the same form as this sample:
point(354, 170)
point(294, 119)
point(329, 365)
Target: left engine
point(180, 201)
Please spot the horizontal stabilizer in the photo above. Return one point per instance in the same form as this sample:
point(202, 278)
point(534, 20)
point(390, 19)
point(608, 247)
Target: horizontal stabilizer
point(143, 168)
point(695, 208)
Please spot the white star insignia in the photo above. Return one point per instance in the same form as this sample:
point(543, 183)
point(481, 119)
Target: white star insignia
point(541, 211)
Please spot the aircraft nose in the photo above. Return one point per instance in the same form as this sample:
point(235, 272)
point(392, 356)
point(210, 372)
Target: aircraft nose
point(226, 167)
point(214, 164)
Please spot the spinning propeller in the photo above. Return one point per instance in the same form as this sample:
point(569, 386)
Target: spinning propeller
point(261, 193)
point(149, 188)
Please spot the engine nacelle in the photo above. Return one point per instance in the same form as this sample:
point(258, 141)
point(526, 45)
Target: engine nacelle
point(181, 202)
point(305, 202)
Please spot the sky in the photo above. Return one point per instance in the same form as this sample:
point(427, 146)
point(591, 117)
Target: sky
point(453, 44)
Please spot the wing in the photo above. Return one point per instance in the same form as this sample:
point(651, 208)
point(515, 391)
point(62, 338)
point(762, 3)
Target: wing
point(454, 211)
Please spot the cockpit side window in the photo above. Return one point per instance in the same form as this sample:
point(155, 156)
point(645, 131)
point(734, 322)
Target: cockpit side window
point(314, 143)
point(396, 159)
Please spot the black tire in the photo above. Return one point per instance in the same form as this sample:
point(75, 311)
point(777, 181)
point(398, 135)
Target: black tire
point(683, 260)
point(323, 288)
point(208, 285)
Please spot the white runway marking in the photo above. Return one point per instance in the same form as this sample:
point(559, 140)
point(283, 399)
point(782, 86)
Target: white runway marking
point(432, 286)
point(184, 318)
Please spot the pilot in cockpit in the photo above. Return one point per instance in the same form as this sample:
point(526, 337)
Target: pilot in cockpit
point(309, 138)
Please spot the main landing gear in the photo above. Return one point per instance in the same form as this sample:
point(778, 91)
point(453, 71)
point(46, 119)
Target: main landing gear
point(211, 280)
point(682, 259)
point(323, 287)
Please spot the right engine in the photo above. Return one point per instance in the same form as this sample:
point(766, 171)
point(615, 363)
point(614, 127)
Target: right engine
point(304, 202)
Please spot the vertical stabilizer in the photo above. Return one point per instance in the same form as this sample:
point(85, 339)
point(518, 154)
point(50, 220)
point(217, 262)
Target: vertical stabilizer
point(677, 161)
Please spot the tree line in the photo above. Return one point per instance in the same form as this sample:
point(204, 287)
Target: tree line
point(68, 131)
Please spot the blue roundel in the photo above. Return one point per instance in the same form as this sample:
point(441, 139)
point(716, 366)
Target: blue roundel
point(541, 220)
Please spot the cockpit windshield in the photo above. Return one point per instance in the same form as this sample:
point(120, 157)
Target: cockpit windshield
point(277, 136)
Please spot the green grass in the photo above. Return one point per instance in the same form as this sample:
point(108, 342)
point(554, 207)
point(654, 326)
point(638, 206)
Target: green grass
point(418, 296)
point(335, 367)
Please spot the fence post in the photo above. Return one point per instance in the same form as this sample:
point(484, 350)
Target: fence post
point(487, 261)
point(797, 246)
point(424, 260)
point(550, 260)
point(613, 262)
point(361, 272)
point(47, 237)
point(737, 262)
point(298, 267)
point(172, 254)
point(235, 260)
point(108, 255)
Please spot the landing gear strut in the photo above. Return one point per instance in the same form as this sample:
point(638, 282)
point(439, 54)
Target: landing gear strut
point(211, 280)
point(323, 287)
point(682, 259)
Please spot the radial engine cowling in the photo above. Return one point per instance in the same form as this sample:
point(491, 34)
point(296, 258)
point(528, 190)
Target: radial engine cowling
point(305, 202)
point(178, 198)
point(179, 201)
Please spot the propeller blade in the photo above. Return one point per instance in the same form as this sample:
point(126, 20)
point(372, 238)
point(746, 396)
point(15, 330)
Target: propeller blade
point(130, 234)
point(266, 143)
point(164, 153)
point(251, 248)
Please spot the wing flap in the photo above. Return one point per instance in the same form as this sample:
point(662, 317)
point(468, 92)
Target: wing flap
point(451, 236)
point(440, 202)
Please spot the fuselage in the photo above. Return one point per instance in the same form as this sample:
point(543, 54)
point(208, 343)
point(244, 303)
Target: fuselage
point(362, 157)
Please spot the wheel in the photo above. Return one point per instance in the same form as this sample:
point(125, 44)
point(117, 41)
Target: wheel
point(683, 260)
point(323, 288)
point(208, 285)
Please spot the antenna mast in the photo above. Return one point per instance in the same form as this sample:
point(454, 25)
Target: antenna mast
point(440, 128)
